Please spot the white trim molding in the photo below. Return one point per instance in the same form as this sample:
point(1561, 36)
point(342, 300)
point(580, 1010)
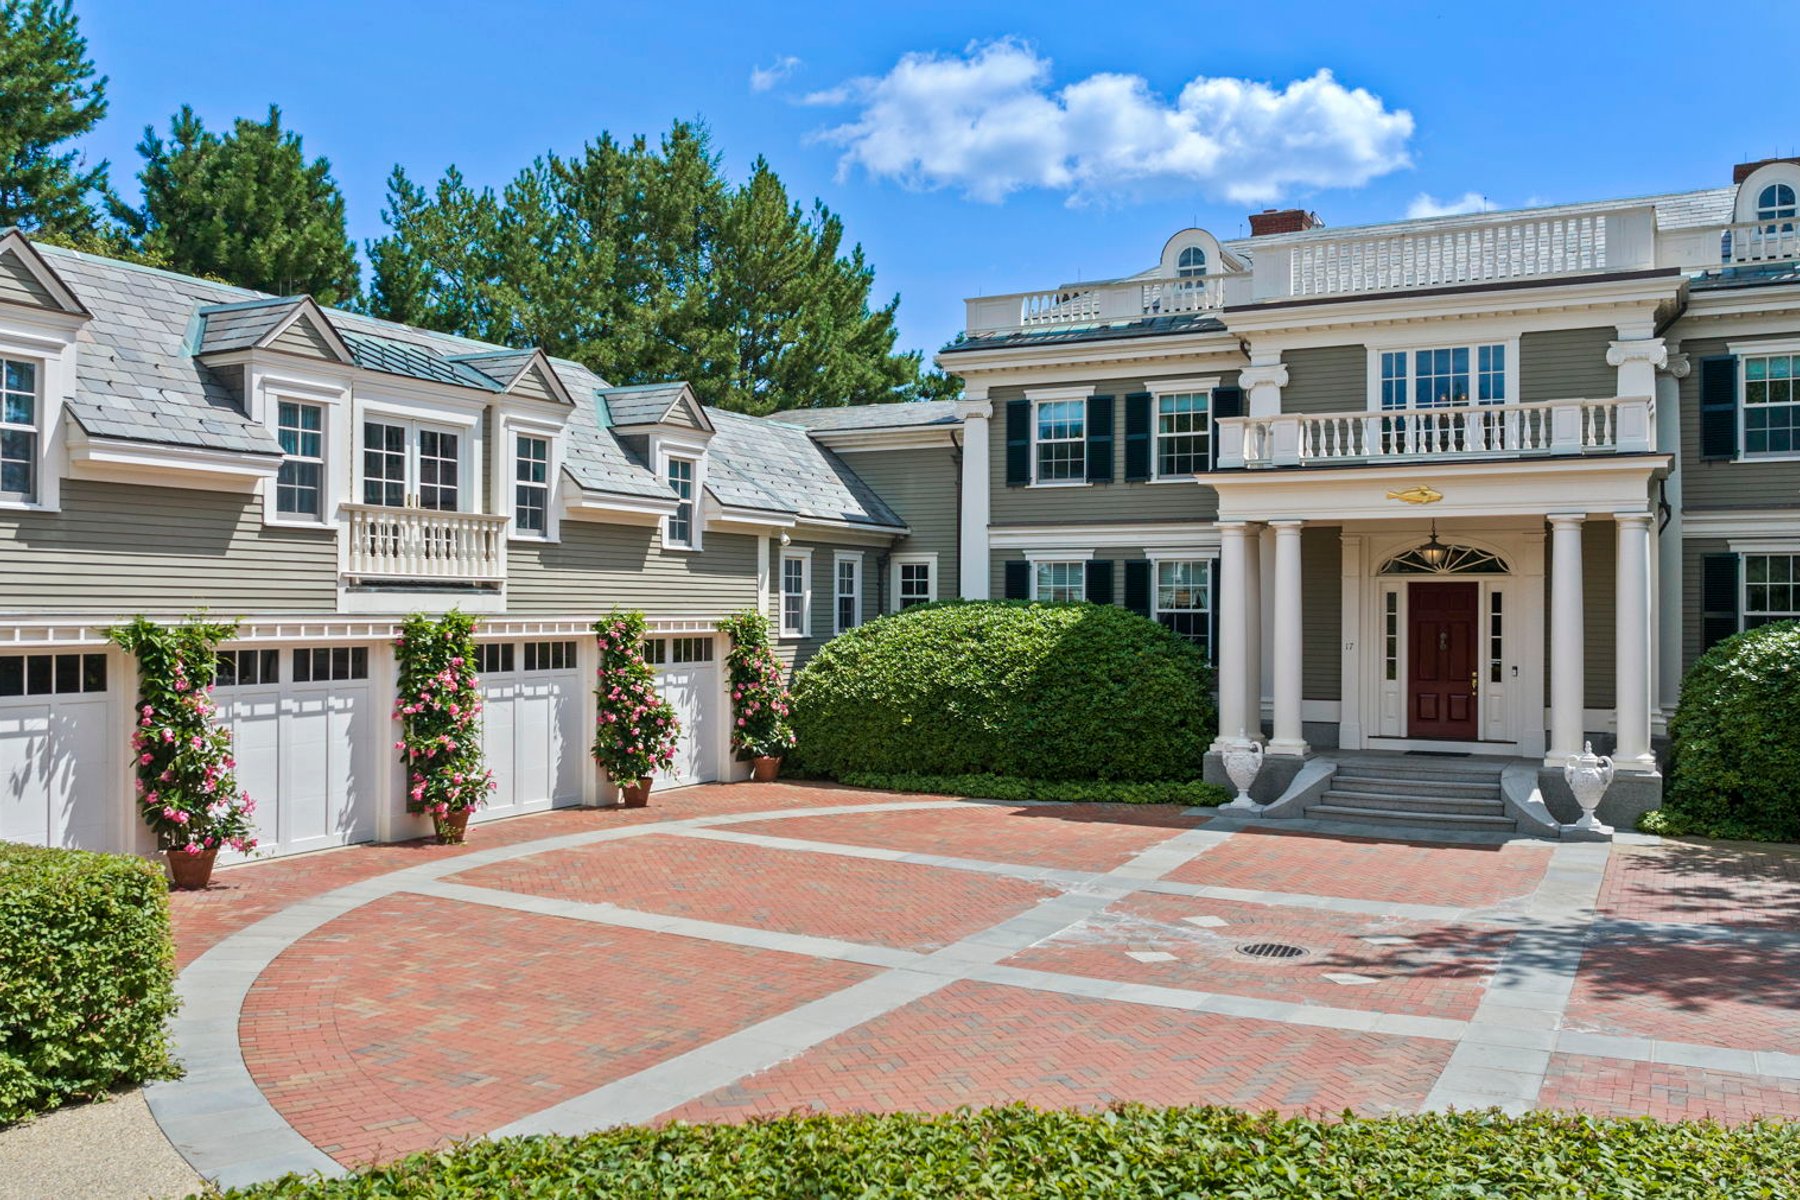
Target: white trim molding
point(803, 628)
point(1106, 537)
point(895, 562)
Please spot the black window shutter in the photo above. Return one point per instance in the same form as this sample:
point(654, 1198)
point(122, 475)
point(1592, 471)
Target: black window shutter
point(1018, 443)
point(1718, 599)
point(1018, 581)
point(1718, 407)
point(1100, 439)
point(1137, 586)
point(1214, 575)
point(1137, 437)
point(1100, 581)
point(1226, 402)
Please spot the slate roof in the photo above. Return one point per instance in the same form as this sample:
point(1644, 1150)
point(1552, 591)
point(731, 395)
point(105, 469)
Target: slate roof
point(916, 414)
point(237, 326)
point(766, 465)
point(642, 403)
point(503, 367)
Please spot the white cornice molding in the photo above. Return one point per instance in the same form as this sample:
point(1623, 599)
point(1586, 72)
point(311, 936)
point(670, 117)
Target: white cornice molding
point(583, 504)
point(153, 463)
point(1762, 522)
point(1078, 391)
point(1189, 383)
point(1651, 350)
point(1105, 537)
point(849, 441)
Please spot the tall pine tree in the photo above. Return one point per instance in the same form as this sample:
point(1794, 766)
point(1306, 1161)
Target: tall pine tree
point(645, 263)
point(246, 207)
point(49, 94)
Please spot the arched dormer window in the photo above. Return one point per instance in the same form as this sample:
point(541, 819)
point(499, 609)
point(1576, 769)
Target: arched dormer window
point(1192, 262)
point(1775, 203)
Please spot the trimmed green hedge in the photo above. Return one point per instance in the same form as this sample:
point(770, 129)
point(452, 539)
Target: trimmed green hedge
point(1072, 791)
point(1129, 1152)
point(1037, 691)
point(87, 972)
point(1735, 762)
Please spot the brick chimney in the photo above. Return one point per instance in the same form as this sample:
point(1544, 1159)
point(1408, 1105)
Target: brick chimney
point(1739, 173)
point(1282, 220)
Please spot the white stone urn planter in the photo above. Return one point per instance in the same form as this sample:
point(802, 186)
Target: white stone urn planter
point(1589, 775)
point(1243, 760)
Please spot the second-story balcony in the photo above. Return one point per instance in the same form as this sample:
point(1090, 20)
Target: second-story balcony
point(422, 545)
point(1102, 303)
point(1621, 424)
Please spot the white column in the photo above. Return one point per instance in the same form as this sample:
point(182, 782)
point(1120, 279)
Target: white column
point(1567, 638)
point(1253, 624)
point(972, 567)
point(1233, 648)
point(1637, 355)
point(1288, 738)
point(1262, 382)
point(1632, 666)
point(1668, 575)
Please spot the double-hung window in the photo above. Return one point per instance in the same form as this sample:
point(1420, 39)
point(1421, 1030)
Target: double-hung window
point(1061, 436)
point(531, 485)
point(19, 431)
point(301, 431)
point(1184, 598)
point(913, 580)
point(1443, 377)
point(1771, 404)
point(1181, 434)
point(847, 592)
point(1059, 581)
point(796, 595)
point(1771, 588)
point(681, 482)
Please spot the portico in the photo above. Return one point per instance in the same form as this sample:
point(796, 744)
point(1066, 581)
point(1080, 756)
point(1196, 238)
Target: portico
point(1477, 607)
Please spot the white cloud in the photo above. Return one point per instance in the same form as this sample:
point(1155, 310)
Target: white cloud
point(1426, 205)
point(990, 123)
point(764, 78)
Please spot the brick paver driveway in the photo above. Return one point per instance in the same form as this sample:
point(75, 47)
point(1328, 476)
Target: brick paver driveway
point(754, 949)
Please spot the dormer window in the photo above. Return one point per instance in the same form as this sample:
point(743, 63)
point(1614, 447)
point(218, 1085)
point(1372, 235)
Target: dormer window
point(18, 430)
point(1191, 264)
point(301, 431)
point(531, 486)
point(681, 482)
point(1776, 202)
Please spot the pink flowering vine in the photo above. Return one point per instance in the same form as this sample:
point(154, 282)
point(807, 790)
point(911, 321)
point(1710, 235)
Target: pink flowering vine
point(636, 730)
point(187, 792)
point(439, 710)
point(760, 703)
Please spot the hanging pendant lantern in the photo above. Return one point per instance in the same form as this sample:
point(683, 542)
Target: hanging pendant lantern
point(1434, 552)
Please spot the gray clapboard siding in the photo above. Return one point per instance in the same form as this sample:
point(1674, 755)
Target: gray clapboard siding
point(1321, 613)
point(1716, 484)
point(794, 652)
point(1326, 379)
point(998, 559)
point(302, 337)
point(1693, 553)
point(1564, 364)
point(1599, 616)
point(122, 548)
point(20, 286)
point(598, 565)
point(1115, 502)
point(532, 383)
point(921, 485)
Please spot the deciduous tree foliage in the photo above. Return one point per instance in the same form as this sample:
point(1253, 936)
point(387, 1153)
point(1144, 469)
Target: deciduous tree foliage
point(49, 94)
point(645, 263)
point(245, 206)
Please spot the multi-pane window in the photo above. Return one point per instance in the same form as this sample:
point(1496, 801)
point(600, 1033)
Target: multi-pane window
point(51, 674)
point(320, 664)
point(656, 651)
point(1181, 434)
point(384, 464)
point(18, 430)
point(1061, 440)
point(549, 656)
point(531, 484)
point(1775, 203)
point(301, 430)
point(847, 593)
point(1771, 405)
point(691, 650)
point(1191, 263)
point(438, 467)
point(914, 584)
point(494, 658)
point(1060, 581)
point(1443, 377)
point(681, 482)
point(1496, 642)
point(1390, 636)
point(1184, 598)
point(1771, 588)
point(795, 584)
point(248, 668)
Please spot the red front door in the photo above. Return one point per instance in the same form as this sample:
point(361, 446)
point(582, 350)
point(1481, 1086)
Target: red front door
point(1441, 688)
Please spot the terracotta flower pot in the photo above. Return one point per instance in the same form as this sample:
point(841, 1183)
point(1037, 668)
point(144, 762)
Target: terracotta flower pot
point(765, 767)
point(637, 795)
point(191, 872)
point(451, 828)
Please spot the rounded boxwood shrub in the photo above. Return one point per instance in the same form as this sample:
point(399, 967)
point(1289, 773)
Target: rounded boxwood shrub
point(1044, 691)
point(1735, 764)
point(87, 975)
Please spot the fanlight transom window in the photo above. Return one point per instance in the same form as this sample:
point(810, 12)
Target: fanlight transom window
point(1435, 559)
point(1191, 264)
point(1774, 202)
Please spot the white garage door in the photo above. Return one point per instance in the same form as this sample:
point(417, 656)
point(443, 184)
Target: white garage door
point(304, 726)
point(688, 677)
point(531, 726)
point(58, 755)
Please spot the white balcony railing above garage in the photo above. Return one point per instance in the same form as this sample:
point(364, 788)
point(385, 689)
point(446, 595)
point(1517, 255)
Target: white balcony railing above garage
point(1621, 424)
point(1460, 252)
point(423, 544)
point(1102, 303)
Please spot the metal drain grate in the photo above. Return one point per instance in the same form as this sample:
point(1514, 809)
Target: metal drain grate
point(1271, 950)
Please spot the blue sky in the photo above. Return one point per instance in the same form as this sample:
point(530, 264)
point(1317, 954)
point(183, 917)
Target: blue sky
point(990, 148)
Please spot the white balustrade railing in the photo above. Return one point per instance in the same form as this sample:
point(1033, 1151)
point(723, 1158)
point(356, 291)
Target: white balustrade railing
point(1758, 242)
point(1095, 303)
point(1624, 423)
point(423, 544)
